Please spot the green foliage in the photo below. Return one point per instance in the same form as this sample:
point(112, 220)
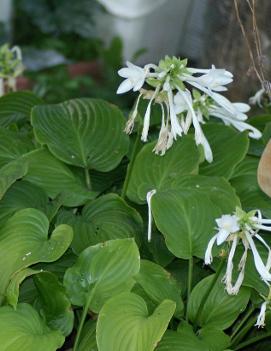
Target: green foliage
point(74, 257)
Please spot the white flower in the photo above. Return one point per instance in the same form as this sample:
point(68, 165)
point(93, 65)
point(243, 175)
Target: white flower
point(165, 139)
point(241, 227)
point(149, 197)
point(261, 317)
point(135, 78)
point(257, 98)
point(213, 79)
point(236, 119)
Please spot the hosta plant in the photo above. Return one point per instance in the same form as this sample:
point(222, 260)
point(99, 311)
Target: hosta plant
point(108, 246)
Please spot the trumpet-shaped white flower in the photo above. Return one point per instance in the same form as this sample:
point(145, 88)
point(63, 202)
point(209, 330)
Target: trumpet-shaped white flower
point(261, 317)
point(236, 119)
point(149, 198)
point(242, 227)
point(257, 98)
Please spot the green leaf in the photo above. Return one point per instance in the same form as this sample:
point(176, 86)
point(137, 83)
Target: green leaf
point(159, 285)
point(24, 237)
point(85, 132)
point(12, 146)
point(102, 270)
point(245, 182)
point(151, 171)
point(201, 198)
point(229, 148)
point(15, 107)
point(53, 303)
point(106, 218)
point(215, 339)
point(23, 329)
point(124, 324)
point(220, 309)
point(55, 178)
point(88, 337)
point(10, 173)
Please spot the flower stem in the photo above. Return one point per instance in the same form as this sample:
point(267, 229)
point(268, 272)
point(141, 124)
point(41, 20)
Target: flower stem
point(131, 164)
point(243, 332)
point(82, 320)
point(189, 284)
point(252, 341)
point(208, 291)
point(87, 177)
point(243, 321)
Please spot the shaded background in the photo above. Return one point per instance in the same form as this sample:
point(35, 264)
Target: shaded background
point(74, 48)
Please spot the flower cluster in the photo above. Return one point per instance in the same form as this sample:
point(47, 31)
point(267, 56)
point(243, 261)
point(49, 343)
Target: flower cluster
point(242, 227)
point(168, 84)
point(10, 67)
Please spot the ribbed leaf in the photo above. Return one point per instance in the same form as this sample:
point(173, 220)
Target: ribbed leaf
point(88, 337)
point(56, 178)
point(124, 324)
point(24, 330)
point(82, 132)
point(229, 148)
point(24, 241)
point(159, 172)
point(220, 310)
point(102, 270)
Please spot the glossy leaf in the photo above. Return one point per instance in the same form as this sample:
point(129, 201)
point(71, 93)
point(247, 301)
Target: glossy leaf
point(56, 178)
point(159, 285)
point(124, 324)
point(102, 270)
point(151, 171)
point(186, 215)
point(229, 148)
point(23, 329)
point(84, 132)
point(53, 303)
point(220, 310)
point(24, 237)
point(106, 218)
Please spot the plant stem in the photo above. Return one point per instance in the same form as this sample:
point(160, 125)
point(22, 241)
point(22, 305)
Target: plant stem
point(243, 321)
point(252, 341)
point(82, 320)
point(189, 284)
point(131, 164)
point(87, 177)
point(243, 332)
point(208, 291)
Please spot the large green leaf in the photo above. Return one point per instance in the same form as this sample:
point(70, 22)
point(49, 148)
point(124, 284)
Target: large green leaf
point(151, 171)
point(102, 270)
point(24, 241)
point(214, 338)
point(56, 178)
point(185, 341)
point(220, 310)
point(244, 180)
point(12, 146)
point(186, 215)
point(15, 107)
point(10, 173)
point(229, 148)
point(53, 302)
point(159, 285)
point(106, 218)
point(82, 132)
point(88, 337)
point(23, 329)
point(124, 324)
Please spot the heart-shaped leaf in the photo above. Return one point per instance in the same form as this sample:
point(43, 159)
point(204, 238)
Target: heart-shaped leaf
point(229, 148)
point(151, 171)
point(106, 218)
point(220, 310)
point(124, 324)
point(84, 132)
point(23, 329)
point(102, 270)
point(24, 237)
point(159, 285)
point(173, 341)
point(10, 173)
point(186, 216)
point(56, 178)
point(214, 338)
